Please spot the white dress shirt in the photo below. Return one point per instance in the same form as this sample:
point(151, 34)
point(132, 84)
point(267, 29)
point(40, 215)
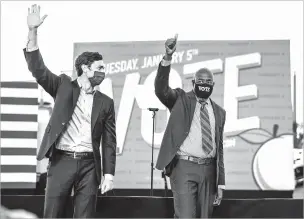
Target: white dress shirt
point(77, 136)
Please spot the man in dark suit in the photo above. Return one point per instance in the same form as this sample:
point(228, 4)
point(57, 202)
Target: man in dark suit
point(191, 152)
point(82, 118)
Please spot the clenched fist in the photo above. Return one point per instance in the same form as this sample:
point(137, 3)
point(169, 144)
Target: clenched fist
point(33, 17)
point(170, 45)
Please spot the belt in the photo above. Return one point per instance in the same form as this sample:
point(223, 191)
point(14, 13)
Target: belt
point(76, 155)
point(197, 160)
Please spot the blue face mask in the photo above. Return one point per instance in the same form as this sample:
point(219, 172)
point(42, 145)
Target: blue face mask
point(97, 78)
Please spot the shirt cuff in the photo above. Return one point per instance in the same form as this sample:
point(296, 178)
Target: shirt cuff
point(31, 49)
point(165, 62)
point(109, 177)
point(221, 186)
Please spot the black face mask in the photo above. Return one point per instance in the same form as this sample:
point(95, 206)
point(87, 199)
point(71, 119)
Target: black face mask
point(203, 90)
point(97, 78)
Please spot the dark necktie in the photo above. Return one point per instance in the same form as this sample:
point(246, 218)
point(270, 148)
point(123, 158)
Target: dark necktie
point(206, 129)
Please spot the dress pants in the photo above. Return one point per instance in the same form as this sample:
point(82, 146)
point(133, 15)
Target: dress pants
point(64, 174)
point(194, 188)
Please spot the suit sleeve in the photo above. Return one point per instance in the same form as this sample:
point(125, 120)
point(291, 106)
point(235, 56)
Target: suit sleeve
point(221, 155)
point(44, 77)
point(109, 141)
point(165, 94)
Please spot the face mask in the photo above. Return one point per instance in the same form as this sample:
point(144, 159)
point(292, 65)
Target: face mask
point(97, 78)
point(203, 90)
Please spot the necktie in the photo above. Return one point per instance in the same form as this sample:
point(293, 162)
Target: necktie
point(89, 91)
point(206, 129)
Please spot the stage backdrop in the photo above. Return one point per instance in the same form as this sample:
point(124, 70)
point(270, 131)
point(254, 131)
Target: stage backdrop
point(252, 83)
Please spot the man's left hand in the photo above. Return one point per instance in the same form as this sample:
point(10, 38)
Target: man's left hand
point(218, 196)
point(106, 185)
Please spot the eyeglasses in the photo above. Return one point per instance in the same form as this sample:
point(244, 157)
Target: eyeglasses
point(204, 81)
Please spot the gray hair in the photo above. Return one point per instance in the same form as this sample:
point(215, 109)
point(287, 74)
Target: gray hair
point(202, 70)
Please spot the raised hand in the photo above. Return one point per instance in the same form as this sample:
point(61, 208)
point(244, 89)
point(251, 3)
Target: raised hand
point(170, 45)
point(33, 17)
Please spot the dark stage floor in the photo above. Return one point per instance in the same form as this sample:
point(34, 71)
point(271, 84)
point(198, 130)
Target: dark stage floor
point(159, 207)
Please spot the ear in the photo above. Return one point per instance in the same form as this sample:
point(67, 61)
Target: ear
point(193, 82)
point(213, 83)
point(84, 68)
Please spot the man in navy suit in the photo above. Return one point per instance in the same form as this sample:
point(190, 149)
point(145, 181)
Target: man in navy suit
point(82, 118)
point(191, 152)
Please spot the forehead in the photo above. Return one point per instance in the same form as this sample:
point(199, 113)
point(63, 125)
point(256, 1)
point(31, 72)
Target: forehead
point(204, 75)
point(97, 63)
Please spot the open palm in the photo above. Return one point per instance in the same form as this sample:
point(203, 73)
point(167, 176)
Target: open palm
point(33, 17)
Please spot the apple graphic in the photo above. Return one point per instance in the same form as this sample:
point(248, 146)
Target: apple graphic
point(273, 164)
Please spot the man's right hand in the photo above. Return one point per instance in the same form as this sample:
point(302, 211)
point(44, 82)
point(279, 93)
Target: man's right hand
point(33, 22)
point(33, 17)
point(170, 46)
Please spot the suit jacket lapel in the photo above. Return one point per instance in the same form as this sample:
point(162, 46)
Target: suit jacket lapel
point(217, 120)
point(192, 105)
point(76, 92)
point(97, 103)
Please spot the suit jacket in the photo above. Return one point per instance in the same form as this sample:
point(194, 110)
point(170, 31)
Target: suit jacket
point(182, 106)
point(65, 93)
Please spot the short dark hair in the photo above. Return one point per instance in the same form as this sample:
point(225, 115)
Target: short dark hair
point(86, 58)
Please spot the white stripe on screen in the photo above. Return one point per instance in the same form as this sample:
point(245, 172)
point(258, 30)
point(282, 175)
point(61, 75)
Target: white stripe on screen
point(18, 160)
point(20, 92)
point(19, 109)
point(19, 126)
point(18, 177)
point(18, 143)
